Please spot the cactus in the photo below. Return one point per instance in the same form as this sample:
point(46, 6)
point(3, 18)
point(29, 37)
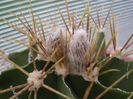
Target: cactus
point(70, 63)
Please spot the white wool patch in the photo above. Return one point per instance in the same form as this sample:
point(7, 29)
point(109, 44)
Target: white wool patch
point(117, 53)
point(34, 78)
point(101, 29)
point(62, 69)
point(91, 75)
point(77, 52)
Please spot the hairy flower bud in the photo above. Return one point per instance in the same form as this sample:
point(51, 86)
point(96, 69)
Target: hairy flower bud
point(77, 52)
point(55, 39)
point(58, 39)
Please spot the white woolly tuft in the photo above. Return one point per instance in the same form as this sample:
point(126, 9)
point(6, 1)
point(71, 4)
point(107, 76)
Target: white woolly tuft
point(91, 75)
point(62, 69)
point(101, 29)
point(34, 78)
point(77, 52)
point(117, 53)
